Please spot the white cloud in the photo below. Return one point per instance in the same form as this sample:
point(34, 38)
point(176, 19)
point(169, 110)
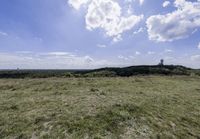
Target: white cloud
point(123, 57)
point(199, 45)
point(137, 53)
point(61, 60)
point(58, 53)
point(195, 58)
point(117, 38)
point(150, 53)
point(67, 60)
point(76, 4)
point(141, 2)
point(3, 33)
point(107, 15)
point(126, 58)
point(101, 46)
point(178, 24)
point(138, 31)
point(168, 51)
point(88, 59)
point(128, 1)
point(166, 3)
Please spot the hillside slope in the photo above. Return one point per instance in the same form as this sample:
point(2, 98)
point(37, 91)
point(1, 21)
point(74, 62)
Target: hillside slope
point(145, 70)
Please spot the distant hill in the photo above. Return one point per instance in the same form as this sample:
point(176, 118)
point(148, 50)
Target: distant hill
point(103, 72)
point(146, 70)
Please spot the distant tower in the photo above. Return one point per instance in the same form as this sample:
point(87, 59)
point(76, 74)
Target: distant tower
point(161, 62)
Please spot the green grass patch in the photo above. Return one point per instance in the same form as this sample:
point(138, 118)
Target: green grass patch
point(101, 108)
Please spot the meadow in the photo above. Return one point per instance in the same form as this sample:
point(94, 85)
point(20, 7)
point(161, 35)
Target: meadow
point(138, 107)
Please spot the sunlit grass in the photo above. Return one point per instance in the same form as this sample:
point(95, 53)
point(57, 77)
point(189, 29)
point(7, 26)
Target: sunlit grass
point(135, 107)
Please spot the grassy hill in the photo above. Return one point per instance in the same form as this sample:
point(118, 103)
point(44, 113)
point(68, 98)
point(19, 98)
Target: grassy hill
point(103, 72)
point(147, 70)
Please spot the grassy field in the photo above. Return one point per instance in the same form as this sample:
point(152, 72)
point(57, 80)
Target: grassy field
point(140, 107)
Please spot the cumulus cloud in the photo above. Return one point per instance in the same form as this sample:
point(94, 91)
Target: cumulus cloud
point(76, 4)
point(107, 15)
point(140, 1)
point(178, 24)
point(166, 3)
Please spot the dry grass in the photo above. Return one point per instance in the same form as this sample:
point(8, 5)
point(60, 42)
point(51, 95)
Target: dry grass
point(137, 107)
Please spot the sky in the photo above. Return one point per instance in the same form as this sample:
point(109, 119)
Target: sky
point(87, 34)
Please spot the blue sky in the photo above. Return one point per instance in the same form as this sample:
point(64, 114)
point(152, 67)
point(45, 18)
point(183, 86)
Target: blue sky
point(59, 34)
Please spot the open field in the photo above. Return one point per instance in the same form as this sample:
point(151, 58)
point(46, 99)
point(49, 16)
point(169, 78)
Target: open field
point(140, 107)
